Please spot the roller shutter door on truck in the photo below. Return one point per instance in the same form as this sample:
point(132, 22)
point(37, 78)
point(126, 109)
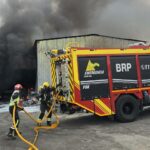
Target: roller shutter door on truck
point(145, 70)
point(93, 77)
point(124, 72)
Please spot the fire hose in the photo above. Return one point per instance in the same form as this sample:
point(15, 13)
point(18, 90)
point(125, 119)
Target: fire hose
point(37, 128)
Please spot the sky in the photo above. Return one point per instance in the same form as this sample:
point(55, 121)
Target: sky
point(124, 18)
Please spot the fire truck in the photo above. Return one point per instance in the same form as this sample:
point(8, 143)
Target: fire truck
point(103, 81)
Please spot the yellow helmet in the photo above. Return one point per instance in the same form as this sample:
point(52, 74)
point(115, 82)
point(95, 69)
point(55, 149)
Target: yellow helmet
point(46, 84)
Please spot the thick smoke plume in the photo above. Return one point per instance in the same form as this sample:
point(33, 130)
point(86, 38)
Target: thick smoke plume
point(23, 21)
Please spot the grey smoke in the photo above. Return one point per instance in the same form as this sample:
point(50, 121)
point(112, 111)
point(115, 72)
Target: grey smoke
point(23, 21)
point(124, 18)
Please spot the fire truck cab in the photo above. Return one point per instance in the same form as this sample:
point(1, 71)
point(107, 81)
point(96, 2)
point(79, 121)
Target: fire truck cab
point(104, 81)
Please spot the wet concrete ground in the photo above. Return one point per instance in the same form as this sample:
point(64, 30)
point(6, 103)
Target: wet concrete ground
point(82, 132)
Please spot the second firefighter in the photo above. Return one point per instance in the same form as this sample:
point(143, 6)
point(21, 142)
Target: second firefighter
point(45, 95)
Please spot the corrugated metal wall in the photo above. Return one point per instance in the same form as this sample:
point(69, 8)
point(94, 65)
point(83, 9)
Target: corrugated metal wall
point(43, 62)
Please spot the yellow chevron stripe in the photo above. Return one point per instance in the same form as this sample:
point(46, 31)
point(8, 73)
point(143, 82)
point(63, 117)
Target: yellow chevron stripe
point(53, 81)
point(101, 108)
point(104, 106)
point(71, 93)
point(53, 77)
point(78, 87)
point(61, 99)
point(61, 57)
point(70, 67)
point(70, 79)
point(71, 98)
point(70, 76)
point(71, 89)
point(70, 71)
point(53, 71)
point(52, 68)
point(70, 82)
point(53, 74)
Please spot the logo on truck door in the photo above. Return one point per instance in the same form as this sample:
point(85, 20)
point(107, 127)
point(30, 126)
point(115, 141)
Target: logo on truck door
point(91, 66)
point(92, 69)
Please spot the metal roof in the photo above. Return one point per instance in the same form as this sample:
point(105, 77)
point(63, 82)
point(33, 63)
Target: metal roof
point(75, 36)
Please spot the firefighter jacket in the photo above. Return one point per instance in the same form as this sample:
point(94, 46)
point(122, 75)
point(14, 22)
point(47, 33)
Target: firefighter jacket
point(46, 95)
point(15, 98)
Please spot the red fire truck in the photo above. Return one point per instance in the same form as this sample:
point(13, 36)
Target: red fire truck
point(104, 81)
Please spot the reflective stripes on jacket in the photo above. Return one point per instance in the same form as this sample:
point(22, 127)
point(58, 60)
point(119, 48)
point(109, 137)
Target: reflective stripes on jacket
point(14, 101)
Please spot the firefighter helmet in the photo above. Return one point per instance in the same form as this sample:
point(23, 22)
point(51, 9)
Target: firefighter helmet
point(45, 84)
point(18, 87)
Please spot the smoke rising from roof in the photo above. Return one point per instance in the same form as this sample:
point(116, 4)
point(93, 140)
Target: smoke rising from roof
point(23, 21)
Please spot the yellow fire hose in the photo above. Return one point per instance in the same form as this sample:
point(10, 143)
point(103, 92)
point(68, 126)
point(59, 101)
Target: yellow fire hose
point(18, 133)
point(37, 128)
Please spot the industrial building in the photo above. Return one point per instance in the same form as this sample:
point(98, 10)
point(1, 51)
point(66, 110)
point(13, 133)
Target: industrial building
point(92, 41)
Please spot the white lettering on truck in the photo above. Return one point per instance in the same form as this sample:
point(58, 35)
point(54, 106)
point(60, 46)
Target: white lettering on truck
point(123, 67)
point(145, 66)
point(86, 87)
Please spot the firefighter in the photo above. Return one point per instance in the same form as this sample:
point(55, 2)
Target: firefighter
point(46, 101)
point(40, 92)
point(15, 100)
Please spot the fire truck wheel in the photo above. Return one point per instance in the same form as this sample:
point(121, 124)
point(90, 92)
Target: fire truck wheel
point(127, 108)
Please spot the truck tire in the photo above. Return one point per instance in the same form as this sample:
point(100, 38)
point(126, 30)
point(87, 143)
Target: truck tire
point(127, 108)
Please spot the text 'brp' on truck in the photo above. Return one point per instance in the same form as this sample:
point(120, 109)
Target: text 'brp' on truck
point(103, 81)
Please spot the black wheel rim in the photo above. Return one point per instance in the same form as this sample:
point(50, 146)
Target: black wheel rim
point(128, 108)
